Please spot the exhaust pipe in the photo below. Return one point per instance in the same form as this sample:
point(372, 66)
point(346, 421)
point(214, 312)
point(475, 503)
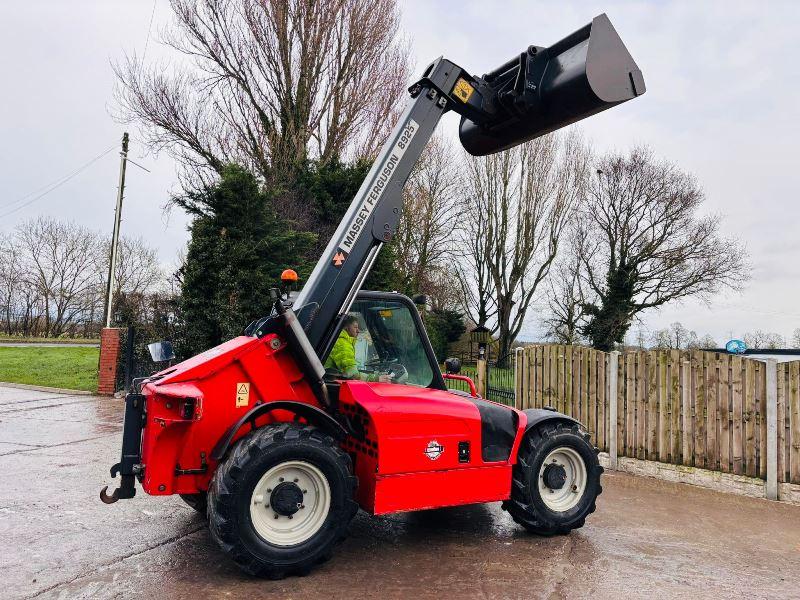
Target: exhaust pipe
point(544, 89)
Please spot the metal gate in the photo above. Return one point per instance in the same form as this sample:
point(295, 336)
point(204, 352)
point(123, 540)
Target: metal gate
point(134, 360)
point(500, 380)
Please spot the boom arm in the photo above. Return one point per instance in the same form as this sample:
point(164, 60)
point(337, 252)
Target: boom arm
point(540, 91)
point(372, 217)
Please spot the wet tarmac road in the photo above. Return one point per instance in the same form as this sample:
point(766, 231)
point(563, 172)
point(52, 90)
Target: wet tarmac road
point(648, 538)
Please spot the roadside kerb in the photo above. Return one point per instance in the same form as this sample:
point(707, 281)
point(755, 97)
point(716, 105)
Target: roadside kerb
point(44, 388)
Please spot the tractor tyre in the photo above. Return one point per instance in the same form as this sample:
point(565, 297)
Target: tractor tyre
point(556, 480)
point(281, 500)
point(199, 502)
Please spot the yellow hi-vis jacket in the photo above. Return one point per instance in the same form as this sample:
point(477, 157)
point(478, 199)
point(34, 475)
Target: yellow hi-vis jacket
point(343, 358)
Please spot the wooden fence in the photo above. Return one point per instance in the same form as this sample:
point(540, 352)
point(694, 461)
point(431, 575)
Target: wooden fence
point(789, 422)
point(701, 409)
point(571, 379)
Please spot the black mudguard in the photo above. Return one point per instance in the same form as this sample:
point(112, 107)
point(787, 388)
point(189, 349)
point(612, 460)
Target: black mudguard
point(537, 416)
point(499, 427)
point(310, 413)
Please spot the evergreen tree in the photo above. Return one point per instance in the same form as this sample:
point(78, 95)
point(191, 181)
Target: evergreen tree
point(238, 248)
point(240, 244)
point(444, 327)
point(330, 188)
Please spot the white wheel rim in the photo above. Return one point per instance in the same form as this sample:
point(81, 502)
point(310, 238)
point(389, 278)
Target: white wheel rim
point(310, 516)
point(568, 495)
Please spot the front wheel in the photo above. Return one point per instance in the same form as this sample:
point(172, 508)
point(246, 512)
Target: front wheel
point(556, 480)
point(281, 500)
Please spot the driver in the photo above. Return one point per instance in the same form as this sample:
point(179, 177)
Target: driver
point(343, 354)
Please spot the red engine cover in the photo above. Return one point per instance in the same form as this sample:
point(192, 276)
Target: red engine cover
point(416, 463)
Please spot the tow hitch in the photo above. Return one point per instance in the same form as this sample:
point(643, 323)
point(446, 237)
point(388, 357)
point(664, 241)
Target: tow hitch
point(130, 465)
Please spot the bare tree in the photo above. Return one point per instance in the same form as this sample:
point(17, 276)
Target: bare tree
point(641, 339)
point(137, 273)
point(764, 340)
point(11, 276)
point(18, 297)
point(796, 338)
point(661, 340)
point(53, 277)
point(675, 337)
point(63, 262)
point(647, 245)
point(705, 342)
point(567, 294)
point(267, 83)
point(137, 270)
point(424, 244)
point(522, 200)
point(565, 301)
point(472, 269)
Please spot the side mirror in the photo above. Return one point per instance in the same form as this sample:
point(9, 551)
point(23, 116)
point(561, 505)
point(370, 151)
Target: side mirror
point(161, 351)
point(452, 365)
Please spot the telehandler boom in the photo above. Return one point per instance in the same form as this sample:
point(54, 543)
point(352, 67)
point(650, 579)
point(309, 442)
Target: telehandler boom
point(280, 452)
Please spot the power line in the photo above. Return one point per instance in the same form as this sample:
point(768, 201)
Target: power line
point(37, 190)
point(149, 27)
point(53, 185)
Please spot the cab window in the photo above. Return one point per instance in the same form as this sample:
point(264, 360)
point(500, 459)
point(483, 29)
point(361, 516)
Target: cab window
point(389, 342)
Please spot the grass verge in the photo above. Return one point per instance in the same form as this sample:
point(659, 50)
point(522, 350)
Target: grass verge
point(69, 368)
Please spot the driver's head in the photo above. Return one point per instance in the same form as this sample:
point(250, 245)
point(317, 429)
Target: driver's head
point(350, 325)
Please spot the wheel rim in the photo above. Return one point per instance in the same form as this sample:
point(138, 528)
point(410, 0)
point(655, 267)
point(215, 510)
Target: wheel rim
point(282, 524)
point(565, 464)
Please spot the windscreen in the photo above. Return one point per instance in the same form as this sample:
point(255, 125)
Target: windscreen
point(389, 342)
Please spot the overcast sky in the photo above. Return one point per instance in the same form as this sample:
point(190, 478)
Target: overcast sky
point(722, 102)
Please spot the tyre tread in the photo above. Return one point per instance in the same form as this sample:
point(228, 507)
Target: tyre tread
point(521, 507)
point(222, 500)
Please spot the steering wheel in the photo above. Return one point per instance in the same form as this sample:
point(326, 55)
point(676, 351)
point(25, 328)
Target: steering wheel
point(398, 373)
point(376, 363)
point(392, 367)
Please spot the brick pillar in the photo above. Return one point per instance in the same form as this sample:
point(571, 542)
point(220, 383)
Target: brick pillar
point(109, 358)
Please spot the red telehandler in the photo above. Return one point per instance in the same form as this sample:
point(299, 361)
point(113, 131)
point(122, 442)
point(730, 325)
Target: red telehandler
point(280, 453)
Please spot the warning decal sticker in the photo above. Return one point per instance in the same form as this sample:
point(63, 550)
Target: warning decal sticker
point(379, 185)
point(463, 90)
point(339, 258)
point(242, 394)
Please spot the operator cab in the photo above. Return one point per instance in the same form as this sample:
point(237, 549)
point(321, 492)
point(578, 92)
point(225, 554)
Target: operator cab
point(391, 340)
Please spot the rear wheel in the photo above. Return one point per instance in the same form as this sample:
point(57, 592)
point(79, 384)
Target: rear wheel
point(556, 480)
point(281, 500)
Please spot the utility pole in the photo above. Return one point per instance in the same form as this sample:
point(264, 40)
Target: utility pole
point(115, 237)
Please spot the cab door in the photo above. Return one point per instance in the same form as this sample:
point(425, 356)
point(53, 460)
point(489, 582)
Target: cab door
point(422, 445)
point(420, 425)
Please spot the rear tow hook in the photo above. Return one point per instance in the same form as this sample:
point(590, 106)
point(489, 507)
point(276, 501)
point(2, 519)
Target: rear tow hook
point(109, 499)
point(126, 489)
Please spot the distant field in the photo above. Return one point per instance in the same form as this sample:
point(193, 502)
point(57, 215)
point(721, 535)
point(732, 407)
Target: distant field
point(70, 368)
